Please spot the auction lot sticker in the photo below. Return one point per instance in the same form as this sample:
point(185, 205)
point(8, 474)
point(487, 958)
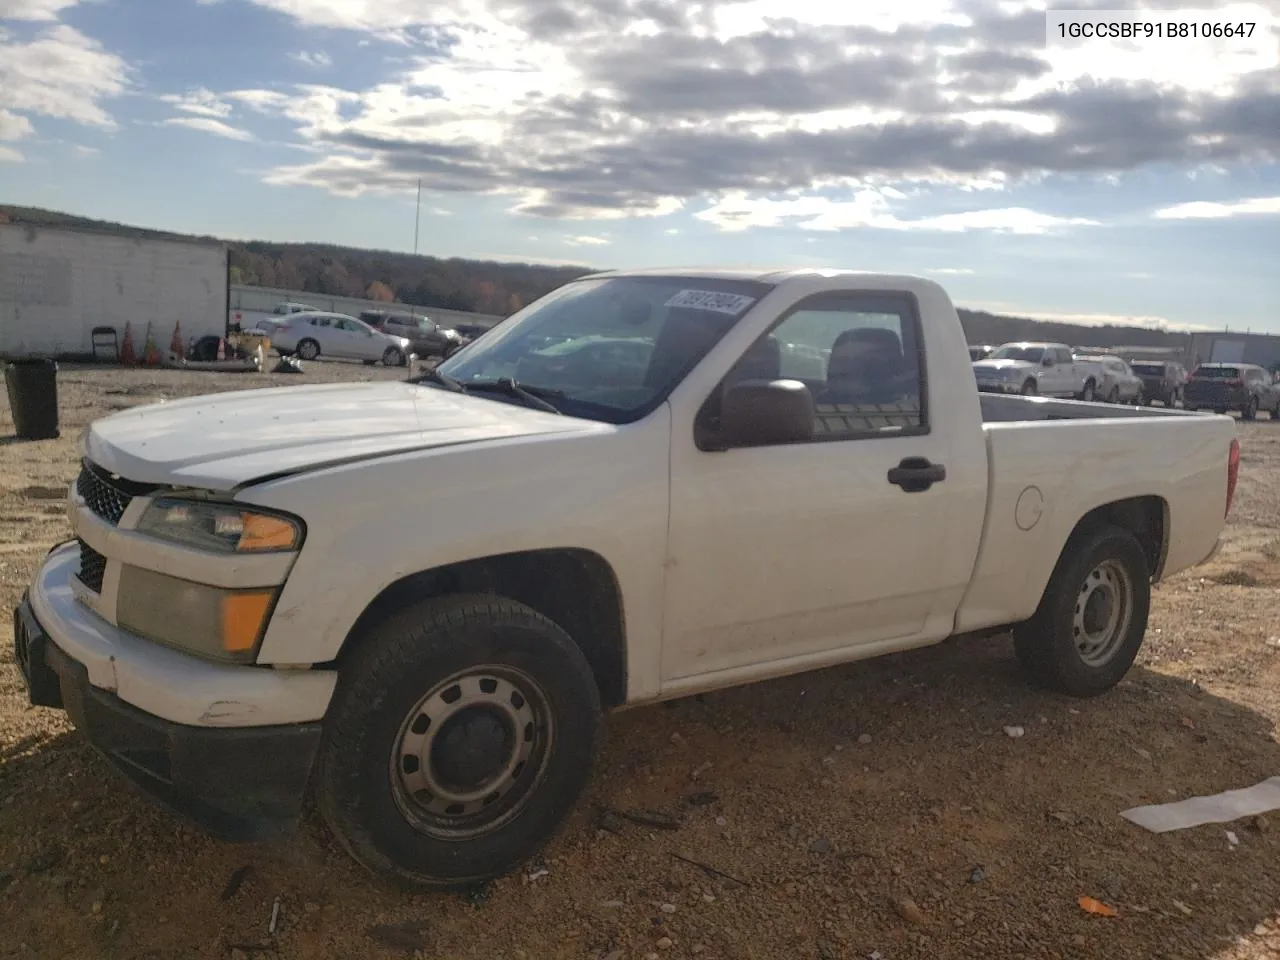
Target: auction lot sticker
point(730, 303)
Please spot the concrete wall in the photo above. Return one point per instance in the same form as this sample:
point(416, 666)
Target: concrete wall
point(253, 300)
point(1260, 348)
point(57, 284)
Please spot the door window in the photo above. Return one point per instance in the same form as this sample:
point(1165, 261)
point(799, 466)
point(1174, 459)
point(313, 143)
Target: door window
point(860, 356)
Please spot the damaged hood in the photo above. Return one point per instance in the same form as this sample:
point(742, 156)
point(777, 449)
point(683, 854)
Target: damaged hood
point(224, 441)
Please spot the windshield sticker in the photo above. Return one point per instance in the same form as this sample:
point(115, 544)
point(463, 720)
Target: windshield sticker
point(730, 303)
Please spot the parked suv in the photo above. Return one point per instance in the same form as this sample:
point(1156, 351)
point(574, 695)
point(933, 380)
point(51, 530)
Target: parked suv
point(427, 338)
point(1161, 380)
point(1220, 387)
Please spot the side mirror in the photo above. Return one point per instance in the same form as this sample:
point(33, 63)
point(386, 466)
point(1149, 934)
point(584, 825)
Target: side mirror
point(758, 412)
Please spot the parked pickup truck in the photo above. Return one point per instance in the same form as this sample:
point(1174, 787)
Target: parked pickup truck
point(1030, 369)
point(243, 620)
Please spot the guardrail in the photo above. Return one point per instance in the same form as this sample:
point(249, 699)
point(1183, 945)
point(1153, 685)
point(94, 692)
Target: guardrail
point(264, 299)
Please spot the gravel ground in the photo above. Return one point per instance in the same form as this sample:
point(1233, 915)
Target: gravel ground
point(873, 810)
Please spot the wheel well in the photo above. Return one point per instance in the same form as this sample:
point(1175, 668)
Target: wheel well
point(574, 588)
point(1144, 517)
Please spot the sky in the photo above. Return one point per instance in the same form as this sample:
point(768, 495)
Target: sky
point(1096, 180)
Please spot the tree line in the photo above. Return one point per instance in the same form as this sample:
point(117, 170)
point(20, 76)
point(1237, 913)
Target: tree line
point(501, 288)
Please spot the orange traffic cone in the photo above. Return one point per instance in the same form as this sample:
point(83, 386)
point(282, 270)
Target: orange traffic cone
point(150, 355)
point(128, 357)
point(175, 345)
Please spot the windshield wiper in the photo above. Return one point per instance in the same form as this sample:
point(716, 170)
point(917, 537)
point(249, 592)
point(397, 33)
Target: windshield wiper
point(531, 396)
point(442, 379)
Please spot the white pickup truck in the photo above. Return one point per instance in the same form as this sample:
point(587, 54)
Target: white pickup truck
point(1038, 369)
point(414, 600)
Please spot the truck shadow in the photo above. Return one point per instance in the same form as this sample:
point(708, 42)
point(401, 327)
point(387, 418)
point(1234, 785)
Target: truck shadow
point(805, 811)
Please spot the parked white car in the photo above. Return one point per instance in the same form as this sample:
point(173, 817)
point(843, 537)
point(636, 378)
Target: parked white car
point(413, 600)
point(317, 334)
point(1045, 369)
point(252, 321)
point(1117, 383)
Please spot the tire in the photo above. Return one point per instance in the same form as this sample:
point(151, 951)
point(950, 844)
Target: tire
point(1250, 411)
point(521, 670)
point(1090, 391)
point(1114, 395)
point(1030, 389)
point(308, 349)
point(393, 357)
point(1055, 646)
point(369, 363)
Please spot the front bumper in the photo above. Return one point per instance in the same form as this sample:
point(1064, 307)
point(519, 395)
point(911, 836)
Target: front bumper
point(207, 740)
point(999, 386)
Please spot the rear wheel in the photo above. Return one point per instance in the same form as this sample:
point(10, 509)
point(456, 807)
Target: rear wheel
point(1250, 411)
point(1084, 636)
point(1090, 391)
point(393, 357)
point(308, 349)
point(461, 733)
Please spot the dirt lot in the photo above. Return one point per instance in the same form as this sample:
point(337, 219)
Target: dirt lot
point(828, 798)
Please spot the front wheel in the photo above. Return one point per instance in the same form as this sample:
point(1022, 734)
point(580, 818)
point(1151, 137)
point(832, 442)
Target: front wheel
point(1084, 636)
point(1089, 392)
point(1029, 389)
point(1114, 395)
point(1250, 411)
point(393, 357)
point(461, 733)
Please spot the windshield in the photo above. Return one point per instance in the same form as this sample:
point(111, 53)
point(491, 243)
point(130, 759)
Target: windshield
point(1012, 351)
point(1148, 369)
point(610, 348)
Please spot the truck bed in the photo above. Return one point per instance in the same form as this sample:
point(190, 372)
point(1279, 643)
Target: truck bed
point(1008, 408)
point(1042, 478)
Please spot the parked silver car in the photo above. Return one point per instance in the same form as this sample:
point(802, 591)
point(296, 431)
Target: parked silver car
point(317, 334)
point(1119, 384)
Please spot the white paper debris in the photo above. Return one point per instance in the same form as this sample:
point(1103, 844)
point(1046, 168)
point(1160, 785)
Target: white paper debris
point(1233, 839)
point(1219, 808)
point(1014, 731)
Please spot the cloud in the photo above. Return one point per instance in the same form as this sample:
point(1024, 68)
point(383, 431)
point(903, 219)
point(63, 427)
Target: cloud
point(603, 109)
point(13, 126)
point(1206, 210)
point(1090, 319)
point(586, 241)
point(872, 209)
point(318, 59)
point(201, 102)
point(60, 73)
point(952, 271)
point(209, 125)
point(33, 9)
point(9, 155)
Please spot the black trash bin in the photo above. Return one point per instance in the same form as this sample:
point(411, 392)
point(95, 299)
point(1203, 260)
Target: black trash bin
point(33, 398)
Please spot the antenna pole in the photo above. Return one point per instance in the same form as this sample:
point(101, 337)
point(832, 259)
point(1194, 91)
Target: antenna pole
point(416, 217)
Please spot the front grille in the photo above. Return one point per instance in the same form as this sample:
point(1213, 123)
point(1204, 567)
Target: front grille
point(108, 497)
point(93, 566)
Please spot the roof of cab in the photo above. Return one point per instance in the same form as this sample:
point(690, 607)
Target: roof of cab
point(771, 275)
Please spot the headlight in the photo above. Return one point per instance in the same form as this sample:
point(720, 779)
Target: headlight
point(207, 621)
point(219, 527)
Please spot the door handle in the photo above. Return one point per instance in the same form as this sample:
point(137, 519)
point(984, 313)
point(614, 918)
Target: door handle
point(917, 474)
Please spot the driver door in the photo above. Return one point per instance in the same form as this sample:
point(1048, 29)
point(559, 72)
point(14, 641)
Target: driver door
point(804, 549)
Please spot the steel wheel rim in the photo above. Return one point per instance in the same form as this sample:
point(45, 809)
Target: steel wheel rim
point(308, 351)
point(1103, 612)
point(423, 763)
